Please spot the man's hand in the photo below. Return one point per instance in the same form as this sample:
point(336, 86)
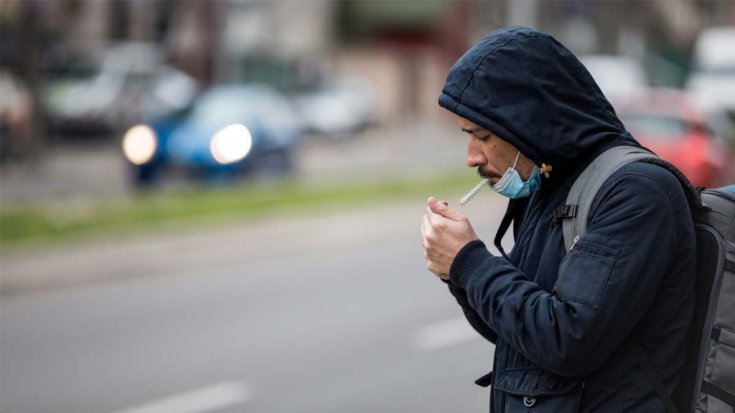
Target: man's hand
point(444, 233)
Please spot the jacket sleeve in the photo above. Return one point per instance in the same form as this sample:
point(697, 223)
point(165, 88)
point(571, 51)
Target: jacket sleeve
point(471, 315)
point(604, 286)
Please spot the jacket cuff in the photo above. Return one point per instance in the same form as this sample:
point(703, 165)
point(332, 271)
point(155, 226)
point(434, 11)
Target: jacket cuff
point(467, 262)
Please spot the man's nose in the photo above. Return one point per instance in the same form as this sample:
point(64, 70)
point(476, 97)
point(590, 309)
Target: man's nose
point(474, 156)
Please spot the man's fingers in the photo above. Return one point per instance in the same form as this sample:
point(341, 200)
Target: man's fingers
point(434, 200)
point(425, 228)
point(442, 208)
point(434, 220)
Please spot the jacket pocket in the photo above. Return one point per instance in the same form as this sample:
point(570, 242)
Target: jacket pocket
point(535, 390)
point(585, 271)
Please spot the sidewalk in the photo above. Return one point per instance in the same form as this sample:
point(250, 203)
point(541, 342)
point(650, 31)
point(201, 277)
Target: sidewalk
point(171, 252)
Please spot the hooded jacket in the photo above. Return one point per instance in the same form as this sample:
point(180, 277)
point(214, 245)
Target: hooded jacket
point(560, 321)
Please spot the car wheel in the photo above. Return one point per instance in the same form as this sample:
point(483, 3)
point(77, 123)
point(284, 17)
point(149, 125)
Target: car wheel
point(143, 177)
point(275, 163)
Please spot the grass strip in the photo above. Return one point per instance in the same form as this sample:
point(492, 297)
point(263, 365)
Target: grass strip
point(45, 223)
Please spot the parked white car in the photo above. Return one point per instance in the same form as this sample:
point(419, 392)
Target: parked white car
point(131, 83)
point(338, 108)
point(712, 82)
point(619, 77)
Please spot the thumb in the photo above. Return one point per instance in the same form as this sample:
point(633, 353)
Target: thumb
point(441, 208)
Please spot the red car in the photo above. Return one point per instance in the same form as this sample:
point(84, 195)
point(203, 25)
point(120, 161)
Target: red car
point(669, 124)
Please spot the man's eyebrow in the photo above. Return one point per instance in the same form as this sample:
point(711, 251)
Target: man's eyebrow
point(473, 131)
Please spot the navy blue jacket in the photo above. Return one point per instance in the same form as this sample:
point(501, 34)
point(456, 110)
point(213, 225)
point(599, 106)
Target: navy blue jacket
point(560, 322)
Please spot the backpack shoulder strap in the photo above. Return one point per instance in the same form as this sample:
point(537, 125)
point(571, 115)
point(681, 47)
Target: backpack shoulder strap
point(650, 372)
point(576, 216)
point(585, 187)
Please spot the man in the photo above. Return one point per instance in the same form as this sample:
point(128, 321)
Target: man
point(560, 323)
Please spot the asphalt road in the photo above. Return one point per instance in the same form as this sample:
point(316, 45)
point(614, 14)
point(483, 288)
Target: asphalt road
point(332, 313)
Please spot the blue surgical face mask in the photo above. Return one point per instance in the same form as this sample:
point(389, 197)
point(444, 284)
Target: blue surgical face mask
point(512, 186)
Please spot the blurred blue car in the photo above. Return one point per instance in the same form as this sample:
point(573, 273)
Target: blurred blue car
point(230, 130)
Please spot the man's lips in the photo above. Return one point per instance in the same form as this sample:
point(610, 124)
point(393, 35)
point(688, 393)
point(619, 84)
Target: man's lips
point(487, 175)
point(491, 178)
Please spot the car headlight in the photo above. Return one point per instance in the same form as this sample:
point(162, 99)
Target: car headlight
point(231, 144)
point(139, 144)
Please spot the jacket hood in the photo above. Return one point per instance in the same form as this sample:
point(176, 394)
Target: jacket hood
point(531, 91)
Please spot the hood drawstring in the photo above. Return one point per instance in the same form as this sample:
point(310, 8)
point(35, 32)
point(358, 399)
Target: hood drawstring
point(503, 228)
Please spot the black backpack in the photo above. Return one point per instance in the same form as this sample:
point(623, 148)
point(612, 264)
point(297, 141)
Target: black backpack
point(708, 379)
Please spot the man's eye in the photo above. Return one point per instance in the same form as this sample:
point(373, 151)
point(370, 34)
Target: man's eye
point(483, 138)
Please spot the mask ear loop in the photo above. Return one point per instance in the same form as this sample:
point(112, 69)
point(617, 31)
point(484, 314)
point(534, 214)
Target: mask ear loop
point(516, 162)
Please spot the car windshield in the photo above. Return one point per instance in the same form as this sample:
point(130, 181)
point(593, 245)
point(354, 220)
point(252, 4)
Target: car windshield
point(231, 105)
point(719, 71)
point(651, 124)
point(73, 73)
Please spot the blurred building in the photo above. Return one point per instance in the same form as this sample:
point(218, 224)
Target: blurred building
point(401, 47)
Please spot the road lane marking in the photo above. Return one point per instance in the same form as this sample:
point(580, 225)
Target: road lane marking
point(444, 334)
point(206, 399)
